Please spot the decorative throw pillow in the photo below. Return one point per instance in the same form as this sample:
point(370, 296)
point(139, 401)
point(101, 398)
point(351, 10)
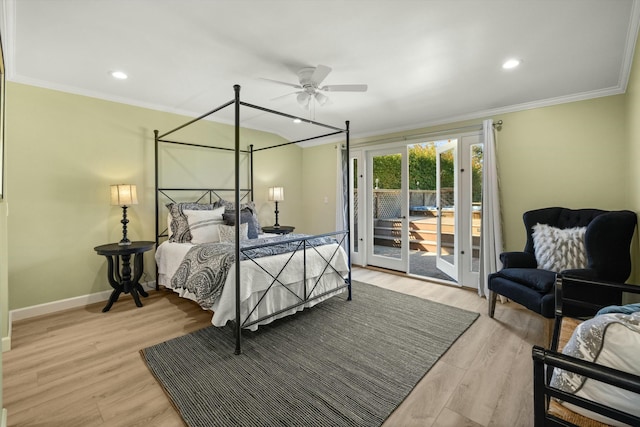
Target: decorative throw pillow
point(611, 340)
point(559, 249)
point(179, 228)
point(228, 232)
point(246, 217)
point(230, 206)
point(203, 225)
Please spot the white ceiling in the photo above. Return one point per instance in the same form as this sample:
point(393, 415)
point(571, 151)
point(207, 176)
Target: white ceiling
point(426, 62)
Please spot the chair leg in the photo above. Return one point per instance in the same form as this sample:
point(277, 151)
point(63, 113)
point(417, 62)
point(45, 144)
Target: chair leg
point(492, 303)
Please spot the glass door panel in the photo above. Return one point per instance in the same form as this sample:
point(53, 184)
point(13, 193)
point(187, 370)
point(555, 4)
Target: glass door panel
point(476, 204)
point(469, 209)
point(446, 194)
point(387, 234)
point(357, 204)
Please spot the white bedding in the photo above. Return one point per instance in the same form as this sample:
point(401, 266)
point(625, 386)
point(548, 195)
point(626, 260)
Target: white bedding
point(254, 281)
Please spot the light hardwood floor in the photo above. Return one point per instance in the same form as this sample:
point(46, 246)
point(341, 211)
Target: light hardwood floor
point(82, 367)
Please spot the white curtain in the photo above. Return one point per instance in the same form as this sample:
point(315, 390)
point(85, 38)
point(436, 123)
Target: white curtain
point(491, 230)
point(342, 188)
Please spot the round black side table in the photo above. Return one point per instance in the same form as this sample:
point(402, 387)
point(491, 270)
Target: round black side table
point(124, 282)
point(281, 229)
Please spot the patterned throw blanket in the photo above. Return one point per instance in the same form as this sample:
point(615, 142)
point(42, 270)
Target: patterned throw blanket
point(204, 269)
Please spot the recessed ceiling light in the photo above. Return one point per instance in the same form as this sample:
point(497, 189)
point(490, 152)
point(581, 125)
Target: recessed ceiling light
point(120, 75)
point(511, 63)
point(297, 121)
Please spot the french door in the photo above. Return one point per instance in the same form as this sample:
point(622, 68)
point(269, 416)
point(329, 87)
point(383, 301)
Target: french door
point(458, 195)
point(434, 226)
point(387, 226)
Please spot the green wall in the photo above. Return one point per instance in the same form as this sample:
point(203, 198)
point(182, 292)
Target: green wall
point(632, 113)
point(65, 150)
point(572, 155)
point(319, 183)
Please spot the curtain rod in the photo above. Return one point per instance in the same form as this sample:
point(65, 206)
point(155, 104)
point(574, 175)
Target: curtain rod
point(496, 125)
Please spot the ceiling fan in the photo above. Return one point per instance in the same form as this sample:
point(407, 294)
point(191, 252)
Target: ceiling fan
point(310, 79)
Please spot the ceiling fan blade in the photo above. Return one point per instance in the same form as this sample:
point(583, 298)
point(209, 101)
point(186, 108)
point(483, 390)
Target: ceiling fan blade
point(297, 86)
point(345, 88)
point(319, 74)
point(284, 96)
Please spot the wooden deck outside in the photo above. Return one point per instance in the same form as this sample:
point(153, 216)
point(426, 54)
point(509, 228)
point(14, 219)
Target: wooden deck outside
point(423, 232)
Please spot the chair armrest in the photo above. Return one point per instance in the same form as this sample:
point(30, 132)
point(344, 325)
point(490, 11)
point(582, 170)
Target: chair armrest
point(545, 360)
point(581, 273)
point(518, 260)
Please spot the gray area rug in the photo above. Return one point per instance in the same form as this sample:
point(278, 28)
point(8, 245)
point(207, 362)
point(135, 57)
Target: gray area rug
point(340, 363)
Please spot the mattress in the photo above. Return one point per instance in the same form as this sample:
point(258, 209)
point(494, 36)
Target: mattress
point(257, 278)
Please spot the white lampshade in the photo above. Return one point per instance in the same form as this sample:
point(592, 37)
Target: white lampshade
point(124, 195)
point(276, 194)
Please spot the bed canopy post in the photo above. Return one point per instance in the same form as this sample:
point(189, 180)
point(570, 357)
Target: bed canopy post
point(155, 134)
point(238, 330)
point(348, 201)
point(251, 172)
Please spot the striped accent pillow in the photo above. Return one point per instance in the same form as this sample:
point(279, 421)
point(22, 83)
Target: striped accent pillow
point(203, 225)
point(558, 249)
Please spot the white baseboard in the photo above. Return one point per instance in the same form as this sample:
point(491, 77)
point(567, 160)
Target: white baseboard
point(55, 306)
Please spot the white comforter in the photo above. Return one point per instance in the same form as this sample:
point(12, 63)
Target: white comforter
point(255, 280)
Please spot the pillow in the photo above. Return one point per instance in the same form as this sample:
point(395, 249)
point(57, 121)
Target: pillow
point(228, 232)
point(230, 206)
point(611, 340)
point(179, 227)
point(203, 225)
point(559, 249)
point(246, 217)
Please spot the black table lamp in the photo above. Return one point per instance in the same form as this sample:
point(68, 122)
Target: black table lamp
point(276, 194)
point(124, 195)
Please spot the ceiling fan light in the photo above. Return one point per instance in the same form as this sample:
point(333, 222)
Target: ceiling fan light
point(303, 98)
point(321, 98)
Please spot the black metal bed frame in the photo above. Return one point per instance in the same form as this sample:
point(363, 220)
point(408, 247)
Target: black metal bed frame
point(545, 360)
point(211, 192)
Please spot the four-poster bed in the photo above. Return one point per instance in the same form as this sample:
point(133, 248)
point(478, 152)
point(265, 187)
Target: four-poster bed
point(277, 275)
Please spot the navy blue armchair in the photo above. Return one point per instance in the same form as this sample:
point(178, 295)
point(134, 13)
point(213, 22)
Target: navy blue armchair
point(607, 244)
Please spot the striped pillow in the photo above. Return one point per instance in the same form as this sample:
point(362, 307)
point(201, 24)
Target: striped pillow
point(203, 225)
point(179, 227)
